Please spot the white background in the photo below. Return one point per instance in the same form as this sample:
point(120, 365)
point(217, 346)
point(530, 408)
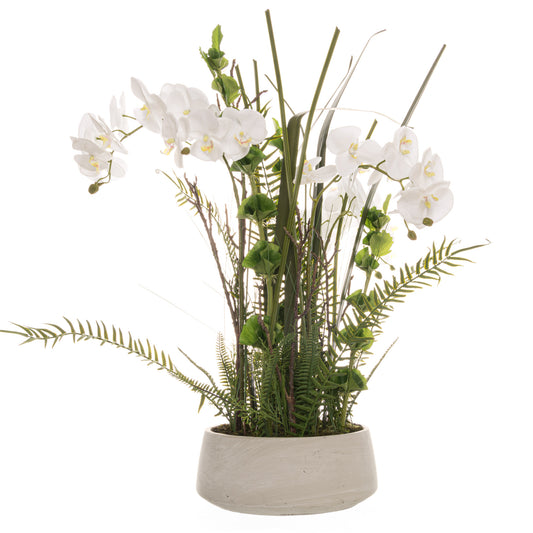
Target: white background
point(91, 439)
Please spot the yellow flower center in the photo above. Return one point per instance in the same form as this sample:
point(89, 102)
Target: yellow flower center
point(208, 144)
point(427, 203)
point(94, 163)
point(352, 150)
point(240, 138)
point(404, 145)
point(428, 170)
point(186, 112)
point(147, 109)
point(171, 144)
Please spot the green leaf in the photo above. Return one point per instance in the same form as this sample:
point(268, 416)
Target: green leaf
point(277, 138)
point(380, 243)
point(386, 203)
point(365, 261)
point(216, 38)
point(253, 334)
point(376, 219)
point(257, 207)
point(264, 258)
point(202, 400)
point(227, 87)
point(350, 380)
point(249, 162)
point(358, 339)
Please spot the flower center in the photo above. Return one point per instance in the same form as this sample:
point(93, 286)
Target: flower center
point(104, 140)
point(352, 150)
point(186, 112)
point(428, 170)
point(208, 144)
point(242, 139)
point(146, 109)
point(404, 146)
point(94, 163)
point(171, 144)
point(427, 203)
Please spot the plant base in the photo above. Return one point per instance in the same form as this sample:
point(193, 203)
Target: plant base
point(286, 475)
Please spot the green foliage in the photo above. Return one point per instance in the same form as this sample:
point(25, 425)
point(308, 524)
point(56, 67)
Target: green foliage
point(97, 331)
point(380, 243)
point(226, 85)
point(257, 207)
point(365, 261)
point(264, 258)
point(249, 163)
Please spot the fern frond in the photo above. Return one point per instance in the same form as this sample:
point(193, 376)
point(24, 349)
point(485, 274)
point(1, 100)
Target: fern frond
point(99, 332)
point(428, 270)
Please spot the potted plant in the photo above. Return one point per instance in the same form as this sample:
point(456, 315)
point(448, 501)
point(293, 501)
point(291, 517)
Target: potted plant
point(305, 246)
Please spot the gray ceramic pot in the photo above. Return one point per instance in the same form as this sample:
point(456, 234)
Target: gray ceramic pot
point(286, 475)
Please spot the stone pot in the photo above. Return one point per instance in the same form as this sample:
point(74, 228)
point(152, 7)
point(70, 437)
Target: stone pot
point(286, 475)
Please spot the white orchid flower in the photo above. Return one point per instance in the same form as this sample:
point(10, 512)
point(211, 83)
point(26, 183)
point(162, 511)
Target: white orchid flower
point(423, 207)
point(344, 143)
point(96, 130)
point(94, 161)
point(248, 127)
point(333, 201)
point(398, 156)
point(117, 109)
point(427, 172)
point(428, 197)
point(151, 114)
point(181, 101)
point(208, 133)
point(311, 174)
point(175, 132)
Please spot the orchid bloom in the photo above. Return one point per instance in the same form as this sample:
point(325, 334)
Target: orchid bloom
point(181, 101)
point(247, 127)
point(311, 174)
point(333, 201)
point(93, 161)
point(208, 132)
point(116, 113)
point(428, 198)
point(150, 115)
point(399, 156)
point(175, 131)
point(344, 143)
point(95, 129)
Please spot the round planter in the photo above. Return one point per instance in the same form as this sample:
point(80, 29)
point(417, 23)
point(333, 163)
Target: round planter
point(286, 475)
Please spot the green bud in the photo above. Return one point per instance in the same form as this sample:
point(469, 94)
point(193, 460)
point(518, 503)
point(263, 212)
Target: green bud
point(186, 151)
point(412, 235)
point(378, 274)
point(427, 222)
point(93, 188)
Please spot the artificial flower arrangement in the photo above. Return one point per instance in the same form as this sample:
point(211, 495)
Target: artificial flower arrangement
point(297, 235)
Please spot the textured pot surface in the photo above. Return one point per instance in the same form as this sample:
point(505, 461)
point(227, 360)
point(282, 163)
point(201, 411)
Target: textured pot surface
point(286, 476)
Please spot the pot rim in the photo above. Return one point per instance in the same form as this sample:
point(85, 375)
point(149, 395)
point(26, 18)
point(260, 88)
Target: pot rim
point(209, 430)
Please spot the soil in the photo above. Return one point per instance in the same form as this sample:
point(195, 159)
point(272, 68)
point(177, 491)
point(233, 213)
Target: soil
point(226, 429)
